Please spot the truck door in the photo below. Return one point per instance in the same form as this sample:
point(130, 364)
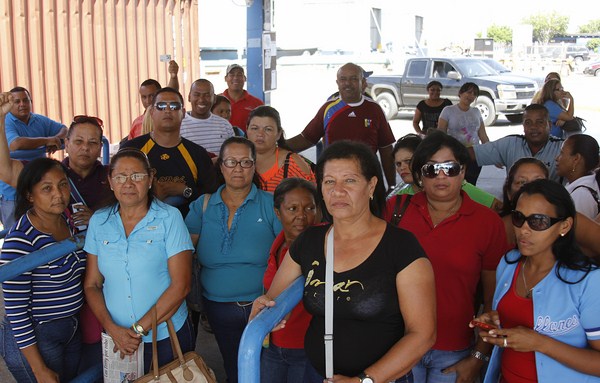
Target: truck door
point(439, 72)
point(414, 82)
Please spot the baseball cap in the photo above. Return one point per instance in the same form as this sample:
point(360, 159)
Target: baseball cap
point(232, 67)
point(366, 74)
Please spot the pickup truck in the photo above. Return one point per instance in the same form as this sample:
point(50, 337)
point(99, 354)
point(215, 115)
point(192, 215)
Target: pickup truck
point(497, 93)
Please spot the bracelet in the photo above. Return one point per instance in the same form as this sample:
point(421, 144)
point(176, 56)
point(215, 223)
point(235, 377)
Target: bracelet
point(479, 355)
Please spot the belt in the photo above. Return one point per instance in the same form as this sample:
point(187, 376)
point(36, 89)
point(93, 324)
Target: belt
point(240, 303)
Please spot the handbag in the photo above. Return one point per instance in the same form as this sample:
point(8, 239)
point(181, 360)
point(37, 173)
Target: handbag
point(574, 125)
point(188, 368)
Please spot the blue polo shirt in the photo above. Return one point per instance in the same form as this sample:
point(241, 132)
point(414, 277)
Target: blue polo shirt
point(135, 268)
point(233, 259)
point(38, 126)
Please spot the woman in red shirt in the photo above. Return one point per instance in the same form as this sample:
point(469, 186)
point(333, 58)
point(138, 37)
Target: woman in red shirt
point(284, 360)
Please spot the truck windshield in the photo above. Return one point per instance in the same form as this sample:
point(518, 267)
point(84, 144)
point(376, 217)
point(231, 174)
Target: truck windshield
point(476, 68)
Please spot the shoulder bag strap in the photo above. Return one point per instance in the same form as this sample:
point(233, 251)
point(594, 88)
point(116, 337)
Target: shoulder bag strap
point(205, 204)
point(154, 343)
point(286, 165)
point(328, 337)
point(77, 197)
point(399, 210)
point(593, 193)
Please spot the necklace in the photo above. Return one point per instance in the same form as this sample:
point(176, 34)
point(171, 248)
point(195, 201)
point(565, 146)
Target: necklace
point(527, 290)
point(448, 212)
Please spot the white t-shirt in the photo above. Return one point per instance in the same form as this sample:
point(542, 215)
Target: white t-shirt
point(585, 203)
point(208, 133)
point(464, 126)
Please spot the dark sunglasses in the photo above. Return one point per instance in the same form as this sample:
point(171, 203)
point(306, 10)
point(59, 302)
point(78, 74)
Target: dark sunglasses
point(162, 105)
point(450, 168)
point(537, 222)
point(82, 119)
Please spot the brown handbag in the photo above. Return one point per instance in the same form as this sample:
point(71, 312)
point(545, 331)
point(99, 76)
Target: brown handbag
point(188, 368)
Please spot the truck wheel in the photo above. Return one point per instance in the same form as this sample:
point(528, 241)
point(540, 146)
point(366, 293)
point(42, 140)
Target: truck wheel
point(387, 101)
point(515, 118)
point(488, 110)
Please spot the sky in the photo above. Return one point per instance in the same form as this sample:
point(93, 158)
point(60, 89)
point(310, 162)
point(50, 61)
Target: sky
point(223, 22)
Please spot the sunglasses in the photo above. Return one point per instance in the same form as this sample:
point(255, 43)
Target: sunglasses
point(450, 168)
point(82, 119)
point(162, 105)
point(232, 163)
point(135, 177)
point(537, 222)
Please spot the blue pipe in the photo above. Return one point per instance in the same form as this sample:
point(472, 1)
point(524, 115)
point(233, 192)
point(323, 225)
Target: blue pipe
point(32, 260)
point(105, 151)
point(260, 326)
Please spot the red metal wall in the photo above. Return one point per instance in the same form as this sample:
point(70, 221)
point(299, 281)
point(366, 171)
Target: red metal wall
point(89, 56)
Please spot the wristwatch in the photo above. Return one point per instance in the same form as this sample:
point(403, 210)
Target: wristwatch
point(364, 378)
point(187, 192)
point(139, 329)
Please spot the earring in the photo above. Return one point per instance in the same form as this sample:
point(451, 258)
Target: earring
point(371, 197)
point(573, 170)
point(562, 234)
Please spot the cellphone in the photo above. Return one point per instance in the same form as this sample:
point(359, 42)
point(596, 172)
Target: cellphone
point(75, 208)
point(483, 326)
point(165, 58)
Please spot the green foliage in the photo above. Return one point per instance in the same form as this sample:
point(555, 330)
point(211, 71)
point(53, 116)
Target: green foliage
point(546, 26)
point(593, 44)
point(592, 27)
point(500, 33)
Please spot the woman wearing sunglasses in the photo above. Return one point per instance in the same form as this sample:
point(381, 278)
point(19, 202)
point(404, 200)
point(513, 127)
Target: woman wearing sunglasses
point(464, 242)
point(139, 257)
point(233, 230)
point(546, 310)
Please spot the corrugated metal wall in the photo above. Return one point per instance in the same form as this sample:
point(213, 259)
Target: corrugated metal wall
point(89, 56)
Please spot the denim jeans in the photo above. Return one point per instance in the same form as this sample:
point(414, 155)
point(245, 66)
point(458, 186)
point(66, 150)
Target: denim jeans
point(312, 376)
point(185, 335)
point(429, 369)
point(282, 365)
point(59, 344)
point(7, 212)
point(228, 321)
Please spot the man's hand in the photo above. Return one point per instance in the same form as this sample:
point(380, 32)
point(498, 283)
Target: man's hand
point(173, 68)
point(53, 144)
point(164, 189)
point(6, 100)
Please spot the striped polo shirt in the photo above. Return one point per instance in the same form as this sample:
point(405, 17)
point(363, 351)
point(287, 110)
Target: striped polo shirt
point(208, 133)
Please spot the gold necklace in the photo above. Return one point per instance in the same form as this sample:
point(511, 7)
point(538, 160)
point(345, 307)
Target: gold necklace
point(527, 290)
point(449, 212)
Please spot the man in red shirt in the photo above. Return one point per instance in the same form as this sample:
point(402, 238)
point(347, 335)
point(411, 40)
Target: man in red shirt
point(242, 102)
point(351, 117)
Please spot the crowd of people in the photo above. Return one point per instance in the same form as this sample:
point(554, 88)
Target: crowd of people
point(203, 217)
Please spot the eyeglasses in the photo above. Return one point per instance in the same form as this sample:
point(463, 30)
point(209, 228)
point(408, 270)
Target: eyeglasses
point(162, 105)
point(232, 163)
point(450, 168)
point(82, 119)
point(135, 177)
point(537, 222)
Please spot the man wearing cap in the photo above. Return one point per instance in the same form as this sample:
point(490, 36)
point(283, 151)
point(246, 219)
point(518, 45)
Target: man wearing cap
point(351, 117)
point(242, 102)
point(29, 136)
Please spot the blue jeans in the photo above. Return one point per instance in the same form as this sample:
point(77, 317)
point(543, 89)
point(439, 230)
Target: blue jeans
point(59, 344)
point(7, 212)
point(282, 365)
point(429, 369)
point(228, 321)
point(186, 337)
point(312, 376)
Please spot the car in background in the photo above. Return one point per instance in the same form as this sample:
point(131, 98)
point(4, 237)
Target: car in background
point(578, 53)
point(501, 69)
point(592, 68)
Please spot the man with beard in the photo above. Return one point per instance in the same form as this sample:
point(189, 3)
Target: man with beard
point(351, 117)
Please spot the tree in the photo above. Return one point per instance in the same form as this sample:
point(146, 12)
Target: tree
point(546, 26)
point(593, 44)
point(592, 27)
point(500, 33)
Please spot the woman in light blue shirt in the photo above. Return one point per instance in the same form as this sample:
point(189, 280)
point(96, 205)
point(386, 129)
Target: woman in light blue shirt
point(139, 253)
point(233, 231)
point(546, 314)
